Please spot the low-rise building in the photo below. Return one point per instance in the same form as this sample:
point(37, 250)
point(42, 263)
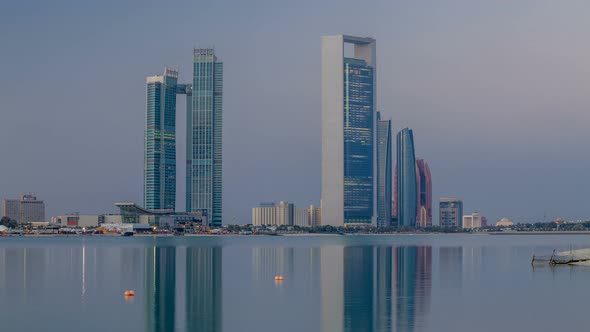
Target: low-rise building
point(450, 212)
point(504, 222)
point(76, 220)
point(284, 213)
point(472, 221)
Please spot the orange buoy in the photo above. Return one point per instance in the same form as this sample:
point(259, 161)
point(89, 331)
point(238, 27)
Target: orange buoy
point(129, 293)
point(279, 278)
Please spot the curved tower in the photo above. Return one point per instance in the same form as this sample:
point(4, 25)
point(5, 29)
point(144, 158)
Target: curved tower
point(406, 179)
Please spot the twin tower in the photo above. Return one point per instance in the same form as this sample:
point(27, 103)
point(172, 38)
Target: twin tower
point(204, 110)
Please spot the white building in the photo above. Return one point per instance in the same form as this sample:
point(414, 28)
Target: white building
point(270, 214)
point(472, 221)
point(301, 217)
point(504, 222)
point(26, 209)
point(76, 220)
point(315, 215)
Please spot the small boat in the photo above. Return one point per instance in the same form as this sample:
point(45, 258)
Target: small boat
point(128, 233)
point(279, 278)
point(129, 293)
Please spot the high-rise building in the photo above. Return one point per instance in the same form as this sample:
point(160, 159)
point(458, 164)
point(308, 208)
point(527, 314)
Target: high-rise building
point(406, 179)
point(204, 137)
point(24, 210)
point(384, 172)
point(315, 215)
point(450, 212)
point(159, 172)
point(348, 131)
point(424, 185)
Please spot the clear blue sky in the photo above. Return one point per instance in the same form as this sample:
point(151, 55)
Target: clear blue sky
point(497, 92)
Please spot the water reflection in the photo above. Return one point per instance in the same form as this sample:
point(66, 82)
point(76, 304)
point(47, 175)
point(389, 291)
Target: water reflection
point(160, 277)
point(203, 289)
point(335, 288)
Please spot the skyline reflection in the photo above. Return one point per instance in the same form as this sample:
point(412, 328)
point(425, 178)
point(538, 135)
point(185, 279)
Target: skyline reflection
point(350, 288)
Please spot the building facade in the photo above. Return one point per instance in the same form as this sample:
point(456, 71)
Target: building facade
point(204, 137)
point(159, 188)
point(315, 216)
point(424, 187)
point(450, 212)
point(348, 131)
point(285, 214)
point(472, 221)
point(406, 179)
point(384, 172)
point(26, 209)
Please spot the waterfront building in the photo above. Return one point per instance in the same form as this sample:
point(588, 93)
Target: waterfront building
point(26, 209)
point(10, 208)
point(348, 131)
point(484, 222)
point(301, 217)
point(276, 215)
point(384, 172)
point(504, 222)
point(394, 208)
point(159, 186)
point(424, 187)
point(76, 220)
point(315, 215)
point(406, 179)
point(204, 136)
point(472, 221)
point(450, 212)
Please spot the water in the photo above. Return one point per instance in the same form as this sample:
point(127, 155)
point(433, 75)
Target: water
point(332, 283)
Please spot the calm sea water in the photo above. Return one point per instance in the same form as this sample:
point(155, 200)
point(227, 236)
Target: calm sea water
point(332, 283)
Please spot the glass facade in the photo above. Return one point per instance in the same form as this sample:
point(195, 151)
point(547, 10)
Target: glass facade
point(406, 179)
point(358, 141)
point(384, 172)
point(424, 185)
point(450, 212)
point(160, 142)
point(204, 137)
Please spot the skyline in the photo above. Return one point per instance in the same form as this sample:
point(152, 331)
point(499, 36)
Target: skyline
point(516, 101)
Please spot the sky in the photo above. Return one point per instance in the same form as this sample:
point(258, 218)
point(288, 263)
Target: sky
point(497, 93)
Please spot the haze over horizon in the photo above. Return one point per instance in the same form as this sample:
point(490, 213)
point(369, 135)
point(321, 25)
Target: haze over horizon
point(497, 95)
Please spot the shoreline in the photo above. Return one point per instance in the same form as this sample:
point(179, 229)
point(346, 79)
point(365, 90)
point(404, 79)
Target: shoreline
point(528, 233)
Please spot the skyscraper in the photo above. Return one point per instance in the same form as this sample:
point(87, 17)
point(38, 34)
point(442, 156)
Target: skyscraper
point(406, 179)
point(384, 172)
point(424, 185)
point(450, 212)
point(348, 135)
point(159, 172)
point(204, 137)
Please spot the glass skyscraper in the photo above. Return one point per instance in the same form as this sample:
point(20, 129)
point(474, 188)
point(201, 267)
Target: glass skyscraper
point(160, 142)
point(406, 179)
point(204, 137)
point(424, 185)
point(384, 172)
point(348, 131)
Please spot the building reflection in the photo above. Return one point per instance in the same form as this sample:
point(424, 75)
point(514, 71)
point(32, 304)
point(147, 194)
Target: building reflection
point(383, 288)
point(160, 277)
point(203, 289)
point(358, 288)
point(270, 262)
point(451, 267)
point(413, 283)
